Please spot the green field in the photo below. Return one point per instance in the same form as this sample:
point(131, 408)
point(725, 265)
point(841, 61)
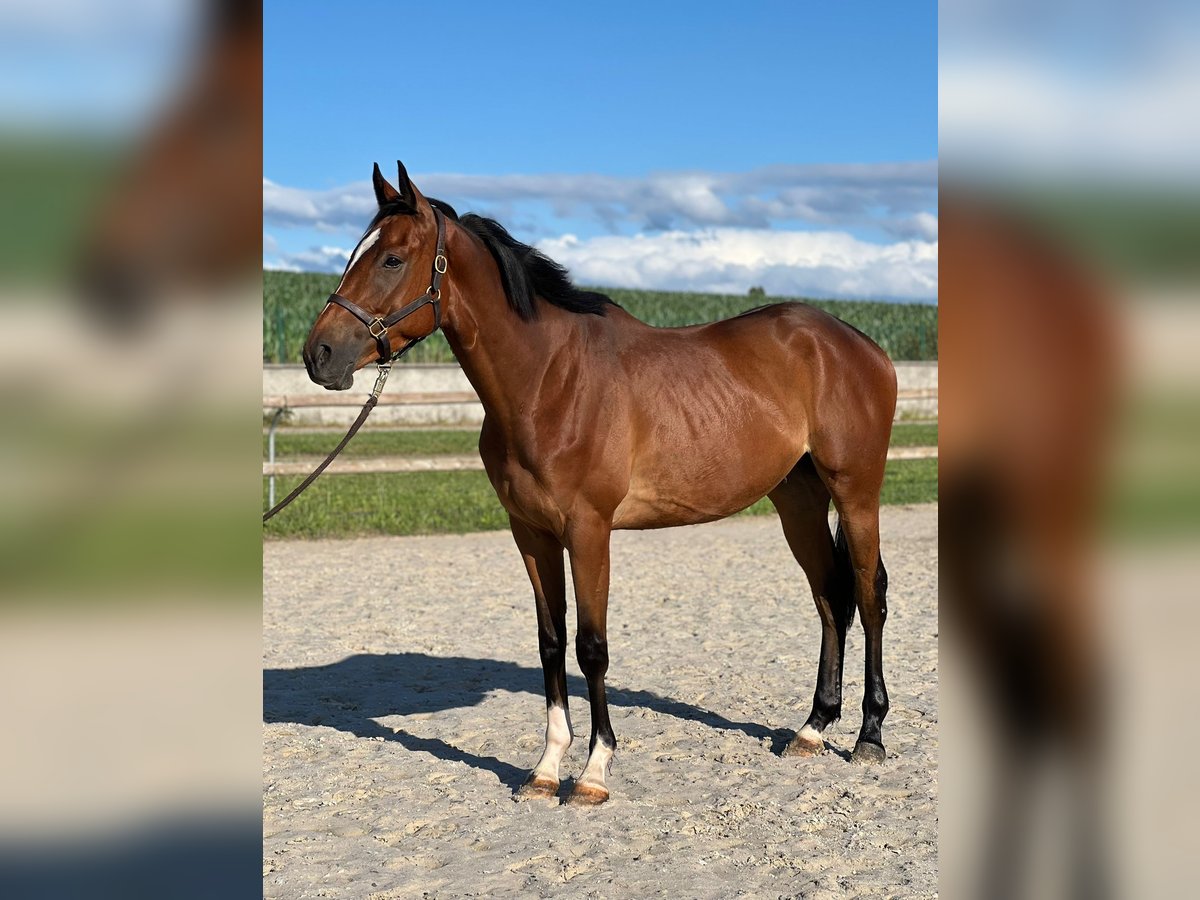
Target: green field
point(291, 301)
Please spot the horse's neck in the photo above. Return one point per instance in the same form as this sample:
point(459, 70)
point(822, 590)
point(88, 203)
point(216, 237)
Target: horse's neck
point(504, 357)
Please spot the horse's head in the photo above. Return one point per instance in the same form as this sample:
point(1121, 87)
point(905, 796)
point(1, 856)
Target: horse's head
point(395, 263)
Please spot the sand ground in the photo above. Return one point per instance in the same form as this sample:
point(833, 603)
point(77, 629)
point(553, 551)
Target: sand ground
point(403, 705)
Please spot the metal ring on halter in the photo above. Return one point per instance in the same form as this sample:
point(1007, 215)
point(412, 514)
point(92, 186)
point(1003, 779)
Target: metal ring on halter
point(440, 264)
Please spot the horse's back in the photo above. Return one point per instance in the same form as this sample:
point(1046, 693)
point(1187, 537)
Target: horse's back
point(791, 348)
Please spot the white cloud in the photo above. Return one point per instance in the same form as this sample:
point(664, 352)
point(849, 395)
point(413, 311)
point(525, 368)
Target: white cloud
point(845, 195)
point(919, 226)
point(706, 231)
point(722, 260)
point(350, 207)
point(315, 259)
point(731, 260)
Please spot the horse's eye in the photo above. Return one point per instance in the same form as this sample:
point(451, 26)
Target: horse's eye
point(392, 262)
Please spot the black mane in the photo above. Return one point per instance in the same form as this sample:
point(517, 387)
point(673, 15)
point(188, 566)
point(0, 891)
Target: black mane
point(526, 273)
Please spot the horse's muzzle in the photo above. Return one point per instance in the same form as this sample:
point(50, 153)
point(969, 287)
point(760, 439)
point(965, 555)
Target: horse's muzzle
point(327, 368)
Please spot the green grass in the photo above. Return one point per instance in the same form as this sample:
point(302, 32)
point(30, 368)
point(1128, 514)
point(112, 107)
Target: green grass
point(911, 481)
point(370, 444)
point(914, 435)
point(459, 502)
point(291, 301)
point(412, 503)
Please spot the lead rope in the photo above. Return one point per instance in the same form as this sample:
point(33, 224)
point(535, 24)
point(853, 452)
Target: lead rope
point(380, 379)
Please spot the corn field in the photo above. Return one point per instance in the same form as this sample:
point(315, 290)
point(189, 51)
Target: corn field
point(292, 300)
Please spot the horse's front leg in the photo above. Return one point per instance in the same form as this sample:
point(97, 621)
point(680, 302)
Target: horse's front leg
point(588, 547)
point(543, 556)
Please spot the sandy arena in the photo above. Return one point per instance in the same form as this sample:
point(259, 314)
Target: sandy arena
point(403, 705)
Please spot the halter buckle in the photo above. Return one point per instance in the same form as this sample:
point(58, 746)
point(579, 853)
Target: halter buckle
point(382, 328)
point(440, 264)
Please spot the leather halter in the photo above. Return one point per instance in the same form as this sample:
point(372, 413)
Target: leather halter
point(378, 325)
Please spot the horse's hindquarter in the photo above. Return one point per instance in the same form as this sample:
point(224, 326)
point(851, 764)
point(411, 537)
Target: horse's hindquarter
point(720, 416)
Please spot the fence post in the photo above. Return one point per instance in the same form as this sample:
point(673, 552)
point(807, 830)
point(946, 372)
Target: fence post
point(271, 456)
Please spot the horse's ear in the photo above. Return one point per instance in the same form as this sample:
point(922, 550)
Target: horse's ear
point(384, 192)
point(407, 193)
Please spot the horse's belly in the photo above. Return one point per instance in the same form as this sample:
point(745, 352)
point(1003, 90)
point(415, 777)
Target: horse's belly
point(674, 493)
point(640, 510)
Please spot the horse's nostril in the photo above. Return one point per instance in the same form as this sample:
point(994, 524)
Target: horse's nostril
point(323, 354)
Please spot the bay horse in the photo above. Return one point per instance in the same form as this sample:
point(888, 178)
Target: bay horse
point(596, 421)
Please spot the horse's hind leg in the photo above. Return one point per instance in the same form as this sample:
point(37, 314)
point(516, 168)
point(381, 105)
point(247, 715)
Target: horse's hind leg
point(856, 496)
point(803, 504)
point(543, 556)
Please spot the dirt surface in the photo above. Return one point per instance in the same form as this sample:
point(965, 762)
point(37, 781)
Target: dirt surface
point(403, 706)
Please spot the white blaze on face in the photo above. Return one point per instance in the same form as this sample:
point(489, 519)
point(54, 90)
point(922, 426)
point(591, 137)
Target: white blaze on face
point(364, 245)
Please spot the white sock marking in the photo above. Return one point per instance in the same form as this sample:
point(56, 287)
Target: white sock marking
point(808, 733)
point(558, 739)
point(596, 769)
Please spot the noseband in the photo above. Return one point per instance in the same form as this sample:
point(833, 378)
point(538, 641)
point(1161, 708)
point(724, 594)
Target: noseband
point(378, 325)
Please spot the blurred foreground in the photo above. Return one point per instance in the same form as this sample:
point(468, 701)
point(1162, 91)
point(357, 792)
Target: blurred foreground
point(129, 362)
point(1069, 437)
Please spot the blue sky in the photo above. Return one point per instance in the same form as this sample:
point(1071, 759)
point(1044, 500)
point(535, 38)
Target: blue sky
point(675, 145)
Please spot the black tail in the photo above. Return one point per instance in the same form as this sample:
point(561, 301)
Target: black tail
point(843, 598)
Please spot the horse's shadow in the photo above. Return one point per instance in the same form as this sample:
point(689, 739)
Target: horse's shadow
point(348, 695)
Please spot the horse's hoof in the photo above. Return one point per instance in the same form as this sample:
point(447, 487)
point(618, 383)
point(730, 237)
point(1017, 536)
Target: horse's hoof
point(587, 794)
point(538, 787)
point(867, 753)
point(805, 745)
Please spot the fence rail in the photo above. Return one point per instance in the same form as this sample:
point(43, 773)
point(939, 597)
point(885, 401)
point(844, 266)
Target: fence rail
point(312, 401)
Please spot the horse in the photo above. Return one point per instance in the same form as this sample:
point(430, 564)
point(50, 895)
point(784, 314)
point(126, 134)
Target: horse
point(596, 421)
